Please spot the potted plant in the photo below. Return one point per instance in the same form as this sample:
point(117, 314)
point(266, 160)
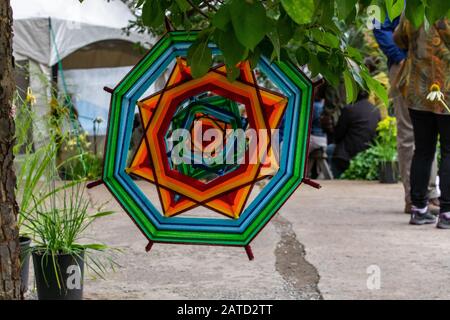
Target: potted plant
point(59, 258)
point(386, 149)
point(34, 164)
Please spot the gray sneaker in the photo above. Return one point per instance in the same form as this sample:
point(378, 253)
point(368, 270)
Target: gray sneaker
point(420, 219)
point(443, 223)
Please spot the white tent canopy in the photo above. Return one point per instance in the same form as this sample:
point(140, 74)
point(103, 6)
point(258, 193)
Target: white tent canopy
point(47, 31)
point(90, 41)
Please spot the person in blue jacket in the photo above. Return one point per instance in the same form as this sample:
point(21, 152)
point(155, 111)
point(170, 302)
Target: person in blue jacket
point(405, 136)
point(385, 38)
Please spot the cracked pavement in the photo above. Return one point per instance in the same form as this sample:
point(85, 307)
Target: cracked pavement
point(319, 246)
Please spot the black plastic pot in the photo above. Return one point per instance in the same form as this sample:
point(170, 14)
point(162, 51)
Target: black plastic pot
point(24, 264)
point(389, 172)
point(69, 272)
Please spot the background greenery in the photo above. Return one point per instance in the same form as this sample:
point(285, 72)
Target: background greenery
point(312, 32)
point(325, 35)
point(366, 165)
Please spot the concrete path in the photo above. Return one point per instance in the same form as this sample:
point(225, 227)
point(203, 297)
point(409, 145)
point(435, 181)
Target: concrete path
point(201, 272)
point(348, 227)
point(345, 228)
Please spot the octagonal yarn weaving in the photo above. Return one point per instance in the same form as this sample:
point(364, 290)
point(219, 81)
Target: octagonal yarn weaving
point(214, 159)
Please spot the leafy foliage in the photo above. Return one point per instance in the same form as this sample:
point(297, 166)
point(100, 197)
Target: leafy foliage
point(31, 165)
point(366, 165)
point(311, 32)
point(86, 165)
point(386, 141)
point(57, 225)
point(77, 161)
point(38, 154)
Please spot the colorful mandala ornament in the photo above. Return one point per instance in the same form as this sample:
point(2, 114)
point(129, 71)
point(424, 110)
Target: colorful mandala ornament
point(280, 110)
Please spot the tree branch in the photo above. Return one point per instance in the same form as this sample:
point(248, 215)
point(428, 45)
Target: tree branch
point(197, 9)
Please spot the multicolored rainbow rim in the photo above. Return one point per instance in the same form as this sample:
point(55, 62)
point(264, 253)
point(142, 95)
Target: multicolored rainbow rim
point(245, 218)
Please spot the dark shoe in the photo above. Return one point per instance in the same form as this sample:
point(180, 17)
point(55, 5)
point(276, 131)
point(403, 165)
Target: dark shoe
point(420, 219)
point(434, 206)
point(443, 223)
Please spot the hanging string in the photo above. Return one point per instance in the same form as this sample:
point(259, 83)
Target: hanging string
point(67, 99)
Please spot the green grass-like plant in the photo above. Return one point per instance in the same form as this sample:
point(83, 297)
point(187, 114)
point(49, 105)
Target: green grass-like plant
point(58, 223)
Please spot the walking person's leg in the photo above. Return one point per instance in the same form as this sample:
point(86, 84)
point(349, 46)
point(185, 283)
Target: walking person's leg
point(405, 142)
point(433, 190)
point(444, 171)
point(405, 146)
point(405, 136)
point(425, 135)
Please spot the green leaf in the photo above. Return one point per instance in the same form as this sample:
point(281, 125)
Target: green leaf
point(336, 61)
point(222, 18)
point(102, 214)
point(320, 64)
point(153, 13)
point(325, 38)
point(285, 28)
point(95, 246)
point(300, 36)
point(232, 49)
point(232, 72)
point(254, 57)
point(266, 47)
point(345, 8)
point(200, 57)
point(415, 12)
point(354, 70)
point(395, 8)
point(350, 87)
point(275, 39)
point(183, 5)
point(285, 56)
point(314, 65)
point(249, 22)
point(301, 11)
point(375, 86)
point(302, 55)
point(436, 9)
point(354, 53)
point(325, 10)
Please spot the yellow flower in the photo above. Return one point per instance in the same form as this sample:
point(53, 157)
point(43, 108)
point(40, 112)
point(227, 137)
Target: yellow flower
point(31, 99)
point(71, 142)
point(437, 95)
point(387, 124)
point(435, 87)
